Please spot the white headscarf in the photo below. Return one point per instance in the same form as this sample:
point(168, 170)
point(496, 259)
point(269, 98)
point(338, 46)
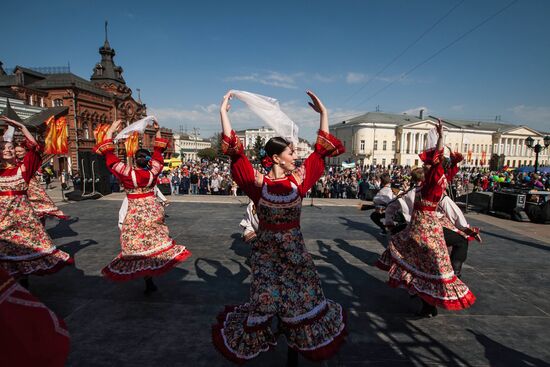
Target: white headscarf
point(138, 126)
point(269, 111)
point(8, 134)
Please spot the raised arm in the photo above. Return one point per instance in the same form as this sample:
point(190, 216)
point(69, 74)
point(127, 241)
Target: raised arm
point(19, 126)
point(326, 145)
point(32, 159)
point(224, 116)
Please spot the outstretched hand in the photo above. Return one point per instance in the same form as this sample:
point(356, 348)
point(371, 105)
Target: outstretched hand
point(439, 127)
point(11, 122)
point(225, 106)
point(316, 103)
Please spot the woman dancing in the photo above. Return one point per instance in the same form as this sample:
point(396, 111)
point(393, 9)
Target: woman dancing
point(147, 249)
point(285, 283)
point(417, 258)
point(25, 247)
point(41, 202)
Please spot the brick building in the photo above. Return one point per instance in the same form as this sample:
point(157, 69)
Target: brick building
point(102, 99)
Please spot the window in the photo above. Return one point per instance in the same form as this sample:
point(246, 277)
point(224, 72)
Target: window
point(465, 148)
point(393, 146)
point(384, 145)
point(362, 146)
point(374, 161)
point(383, 162)
point(57, 102)
point(376, 145)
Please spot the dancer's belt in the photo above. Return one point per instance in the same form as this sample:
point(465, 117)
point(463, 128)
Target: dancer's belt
point(279, 226)
point(13, 193)
point(142, 195)
point(425, 208)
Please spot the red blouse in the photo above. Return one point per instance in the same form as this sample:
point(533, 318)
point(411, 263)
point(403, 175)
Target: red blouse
point(129, 176)
point(251, 181)
point(435, 182)
point(29, 164)
point(456, 158)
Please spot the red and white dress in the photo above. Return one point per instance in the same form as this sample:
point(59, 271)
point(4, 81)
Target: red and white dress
point(284, 283)
point(147, 249)
point(30, 333)
point(41, 202)
point(25, 247)
point(417, 258)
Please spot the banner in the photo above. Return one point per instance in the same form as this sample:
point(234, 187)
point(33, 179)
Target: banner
point(348, 165)
point(132, 144)
point(100, 131)
point(469, 159)
point(57, 136)
point(483, 157)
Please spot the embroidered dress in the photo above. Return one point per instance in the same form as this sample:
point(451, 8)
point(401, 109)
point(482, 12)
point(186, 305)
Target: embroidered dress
point(147, 249)
point(41, 202)
point(284, 283)
point(30, 333)
point(417, 258)
point(25, 247)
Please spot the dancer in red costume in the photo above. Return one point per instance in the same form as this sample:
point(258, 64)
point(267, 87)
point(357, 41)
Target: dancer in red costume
point(25, 247)
point(285, 283)
point(41, 202)
point(30, 333)
point(147, 249)
point(417, 258)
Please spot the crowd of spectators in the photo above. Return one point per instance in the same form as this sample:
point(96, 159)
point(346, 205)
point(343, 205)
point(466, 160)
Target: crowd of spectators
point(213, 177)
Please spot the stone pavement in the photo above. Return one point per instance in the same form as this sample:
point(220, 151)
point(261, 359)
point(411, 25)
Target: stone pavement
point(114, 324)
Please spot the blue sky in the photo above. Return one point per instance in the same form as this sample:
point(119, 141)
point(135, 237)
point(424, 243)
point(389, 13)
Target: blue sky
point(185, 55)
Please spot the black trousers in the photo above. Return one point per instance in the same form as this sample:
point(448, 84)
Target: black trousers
point(377, 219)
point(458, 249)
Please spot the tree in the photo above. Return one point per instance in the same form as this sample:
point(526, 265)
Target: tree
point(258, 145)
point(207, 153)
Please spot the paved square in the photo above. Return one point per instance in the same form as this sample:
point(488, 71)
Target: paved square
point(114, 324)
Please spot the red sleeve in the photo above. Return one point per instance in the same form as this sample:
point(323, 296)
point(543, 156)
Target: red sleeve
point(327, 145)
point(432, 188)
point(121, 170)
point(246, 177)
point(157, 160)
point(31, 161)
point(456, 158)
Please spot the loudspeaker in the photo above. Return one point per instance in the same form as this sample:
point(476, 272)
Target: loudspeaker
point(94, 173)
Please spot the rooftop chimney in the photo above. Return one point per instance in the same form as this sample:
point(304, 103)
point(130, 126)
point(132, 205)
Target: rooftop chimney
point(421, 114)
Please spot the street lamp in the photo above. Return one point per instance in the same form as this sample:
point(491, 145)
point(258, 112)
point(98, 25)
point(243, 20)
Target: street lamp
point(537, 148)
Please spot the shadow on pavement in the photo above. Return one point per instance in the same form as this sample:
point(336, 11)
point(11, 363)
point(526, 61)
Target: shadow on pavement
point(501, 355)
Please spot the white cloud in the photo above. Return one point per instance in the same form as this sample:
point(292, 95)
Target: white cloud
point(354, 78)
point(416, 111)
point(457, 108)
point(272, 78)
point(325, 78)
point(537, 116)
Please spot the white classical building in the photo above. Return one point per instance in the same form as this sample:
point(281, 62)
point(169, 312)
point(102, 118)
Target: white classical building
point(384, 138)
point(189, 145)
point(248, 138)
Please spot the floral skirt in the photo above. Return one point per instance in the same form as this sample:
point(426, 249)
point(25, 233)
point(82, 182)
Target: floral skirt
point(41, 202)
point(417, 259)
point(285, 285)
point(25, 246)
point(147, 249)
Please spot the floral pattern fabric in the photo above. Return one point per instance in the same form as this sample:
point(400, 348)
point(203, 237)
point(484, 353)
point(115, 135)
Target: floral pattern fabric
point(146, 246)
point(285, 283)
point(41, 202)
point(417, 258)
point(25, 246)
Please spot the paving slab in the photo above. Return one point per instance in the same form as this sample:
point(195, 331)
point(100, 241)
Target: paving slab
point(114, 324)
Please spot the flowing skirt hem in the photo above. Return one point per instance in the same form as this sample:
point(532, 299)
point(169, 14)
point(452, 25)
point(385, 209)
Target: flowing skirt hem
point(122, 269)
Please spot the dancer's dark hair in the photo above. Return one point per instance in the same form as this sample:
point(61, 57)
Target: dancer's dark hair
point(143, 156)
point(276, 145)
